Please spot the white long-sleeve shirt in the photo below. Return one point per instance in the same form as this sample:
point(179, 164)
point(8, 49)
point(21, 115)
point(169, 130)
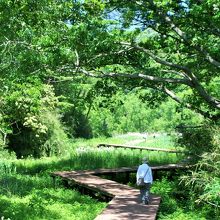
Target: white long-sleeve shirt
point(142, 169)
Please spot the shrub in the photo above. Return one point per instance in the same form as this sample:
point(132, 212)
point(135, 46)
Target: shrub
point(35, 127)
point(204, 180)
point(198, 140)
point(164, 188)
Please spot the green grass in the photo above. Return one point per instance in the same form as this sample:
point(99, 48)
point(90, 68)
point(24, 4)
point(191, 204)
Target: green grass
point(36, 201)
point(120, 139)
point(92, 158)
point(162, 141)
point(26, 194)
point(159, 141)
point(176, 204)
point(27, 190)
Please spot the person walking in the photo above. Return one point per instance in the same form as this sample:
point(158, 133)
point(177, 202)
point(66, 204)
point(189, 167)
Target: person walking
point(144, 171)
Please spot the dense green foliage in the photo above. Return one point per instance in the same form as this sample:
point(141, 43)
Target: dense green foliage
point(92, 68)
point(31, 121)
point(199, 139)
point(26, 196)
point(49, 48)
point(204, 180)
point(127, 113)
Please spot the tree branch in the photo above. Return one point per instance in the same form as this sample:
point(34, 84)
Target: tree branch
point(182, 74)
point(184, 37)
point(4, 134)
point(180, 101)
point(107, 54)
point(193, 82)
point(136, 76)
point(156, 58)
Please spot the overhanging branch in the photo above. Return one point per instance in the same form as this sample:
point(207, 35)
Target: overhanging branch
point(192, 80)
point(184, 37)
point(157, 58)
point(180, 101)
point(135, 76)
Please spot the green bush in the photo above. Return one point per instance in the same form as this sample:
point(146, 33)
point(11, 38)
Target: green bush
point(180, 214)
point(76, 123)
point(197, 140)
point(34, 124)
point(204, 180)
point(164, 188)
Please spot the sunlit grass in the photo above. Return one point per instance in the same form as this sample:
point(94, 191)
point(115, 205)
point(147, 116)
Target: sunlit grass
point(160, 141)
point(121, 139)
point(49, 203)
point(92, 158)
point(27, 190)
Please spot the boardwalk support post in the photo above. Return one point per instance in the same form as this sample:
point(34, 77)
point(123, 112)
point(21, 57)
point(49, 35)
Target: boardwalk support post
point(54, 181)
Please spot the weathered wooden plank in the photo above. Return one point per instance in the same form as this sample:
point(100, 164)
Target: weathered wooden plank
point(108, 187)
point(139, 148)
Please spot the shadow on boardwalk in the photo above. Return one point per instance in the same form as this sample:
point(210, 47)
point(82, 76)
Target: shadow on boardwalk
point(129, 207)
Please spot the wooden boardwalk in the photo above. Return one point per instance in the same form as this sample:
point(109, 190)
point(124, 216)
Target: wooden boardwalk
point(128, 207)
point(139, 148)
point(125, 203)
point(126, 169)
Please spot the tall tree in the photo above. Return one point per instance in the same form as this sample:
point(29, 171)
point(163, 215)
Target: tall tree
point(170, 46)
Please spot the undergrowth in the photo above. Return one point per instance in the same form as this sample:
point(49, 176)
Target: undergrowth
point(27, 191)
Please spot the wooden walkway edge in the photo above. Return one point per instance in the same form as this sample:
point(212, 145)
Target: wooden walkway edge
point(139, 148)
point(125, 203)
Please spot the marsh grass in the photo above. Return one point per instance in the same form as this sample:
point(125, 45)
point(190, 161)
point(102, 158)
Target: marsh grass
point(93, 158)
point(160, 141)
point(27, 191)
point(27, 195)
point(120, 139)
point(49, 203)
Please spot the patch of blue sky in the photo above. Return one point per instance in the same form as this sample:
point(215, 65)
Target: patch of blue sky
point(184, 4)
point(117, 17)
point(68, 23)
point(117, 21)
point(114, 19)
point(114, 15)
point(170, 13)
